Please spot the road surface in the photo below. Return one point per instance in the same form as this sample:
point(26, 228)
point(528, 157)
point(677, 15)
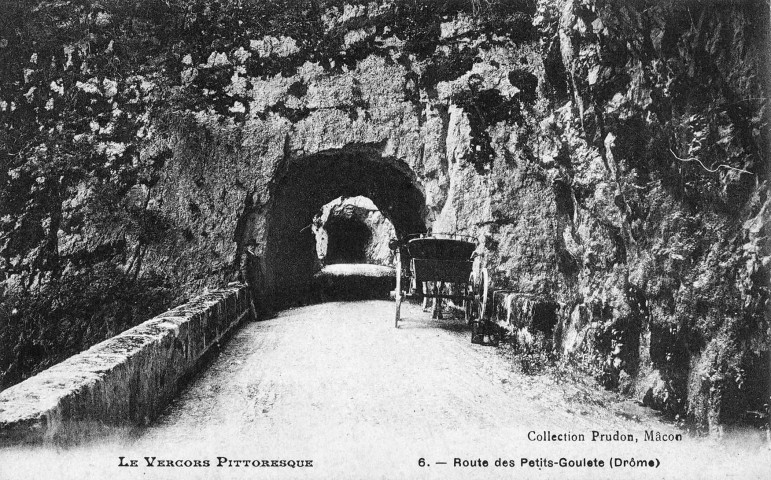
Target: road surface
point(337, 384)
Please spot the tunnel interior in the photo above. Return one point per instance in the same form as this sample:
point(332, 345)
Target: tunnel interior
point(348, 239)
point(304, 185)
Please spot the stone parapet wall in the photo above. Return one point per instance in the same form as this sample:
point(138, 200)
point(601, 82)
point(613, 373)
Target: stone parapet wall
point(127, 379)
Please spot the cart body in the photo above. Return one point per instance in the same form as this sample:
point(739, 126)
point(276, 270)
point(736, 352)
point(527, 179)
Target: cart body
point(444, 262)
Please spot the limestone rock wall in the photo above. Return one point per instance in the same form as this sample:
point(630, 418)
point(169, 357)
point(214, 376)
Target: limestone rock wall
point(665, 185)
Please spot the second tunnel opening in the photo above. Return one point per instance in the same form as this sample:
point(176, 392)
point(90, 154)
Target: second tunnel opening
point(300, 190)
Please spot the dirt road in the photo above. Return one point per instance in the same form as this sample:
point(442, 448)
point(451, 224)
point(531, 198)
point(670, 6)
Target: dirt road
point(337, 384)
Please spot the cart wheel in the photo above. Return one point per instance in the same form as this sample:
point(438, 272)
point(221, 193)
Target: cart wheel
point(469, 304)
point(399, 298)
point(482, 292)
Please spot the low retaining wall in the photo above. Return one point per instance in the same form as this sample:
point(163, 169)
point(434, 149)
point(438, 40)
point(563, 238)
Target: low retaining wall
point(126, 379)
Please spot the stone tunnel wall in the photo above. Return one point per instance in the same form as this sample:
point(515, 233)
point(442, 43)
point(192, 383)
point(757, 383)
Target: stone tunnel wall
point(126, 379)
point(610, 158)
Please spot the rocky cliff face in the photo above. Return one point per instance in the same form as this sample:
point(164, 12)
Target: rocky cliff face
point(669, 195)
point(610, 159)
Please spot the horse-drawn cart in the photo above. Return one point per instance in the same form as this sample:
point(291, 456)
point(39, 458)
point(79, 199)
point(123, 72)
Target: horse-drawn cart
point(443, 266)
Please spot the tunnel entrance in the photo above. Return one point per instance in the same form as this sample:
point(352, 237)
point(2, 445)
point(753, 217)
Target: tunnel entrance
point(348, 239)
point(304, 185)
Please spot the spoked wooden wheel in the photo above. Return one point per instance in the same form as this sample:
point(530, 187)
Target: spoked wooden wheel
point(398, 293)
point(482, 290)
point(399, 299)
point(476, 311)
point(470, 307)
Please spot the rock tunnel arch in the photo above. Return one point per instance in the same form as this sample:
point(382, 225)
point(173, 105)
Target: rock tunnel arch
point(303, 185)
